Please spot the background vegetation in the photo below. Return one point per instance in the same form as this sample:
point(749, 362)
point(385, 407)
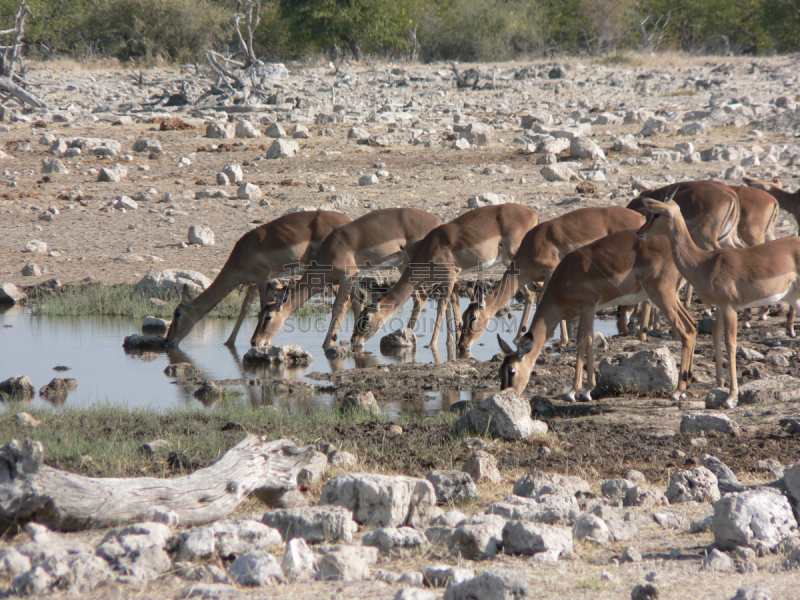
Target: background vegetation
point(469, 30)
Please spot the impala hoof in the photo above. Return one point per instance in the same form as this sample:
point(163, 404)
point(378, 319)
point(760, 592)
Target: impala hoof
point(568, 397)
point(747, 325)
point(764, 317)
point(585, 396)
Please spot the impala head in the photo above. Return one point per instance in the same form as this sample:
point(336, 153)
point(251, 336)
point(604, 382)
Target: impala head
point(366, 326)
point(513, 374)
point(472, 324)
point(661, 219)
point(265, 325)
point(182, 319)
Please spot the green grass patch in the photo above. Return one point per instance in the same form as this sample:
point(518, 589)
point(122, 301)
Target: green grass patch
point(107, 441)
point(121, 300)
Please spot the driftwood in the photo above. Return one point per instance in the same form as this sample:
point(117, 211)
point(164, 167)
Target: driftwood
point(30, 490)
point(24, 96)
point(474, 78)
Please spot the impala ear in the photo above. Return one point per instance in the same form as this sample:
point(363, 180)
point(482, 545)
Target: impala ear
point(525, 345)
point(654, 206)
point(504, 346)
point(283, 296)
point(187, 295)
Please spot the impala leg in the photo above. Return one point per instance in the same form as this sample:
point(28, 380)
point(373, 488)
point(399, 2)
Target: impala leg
point(585, 334)
point(419, 302)
point(644, 319)
point(691, 328)
point(530, 295)
point(747, 316)
point(729, 323)
point(446, 290)
point(456, 316)
point(340, 306)
point(683, 324)
point(687, 301)
point(762, 314)
point(586, 396)
point(249, 296)
point(790, 322)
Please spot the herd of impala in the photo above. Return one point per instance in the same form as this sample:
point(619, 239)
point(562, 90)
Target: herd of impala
point(717, 238)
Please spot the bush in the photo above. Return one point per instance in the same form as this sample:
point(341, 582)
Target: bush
point(177, 30)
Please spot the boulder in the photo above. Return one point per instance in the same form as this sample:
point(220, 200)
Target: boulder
point(125, 203)
point(31, 270)
point(363, 401)
point(478, 134)
point(702, 423)
point(249, 191)
point(36, 247)
point(113, 174)
point(200, 235)
point(149, 145)
point(282, 148)
point(368, 179)
point(439, 576)
point(482, 466)
point(53, 165)
point(275, 131)
point(760, 519)
point(505, 414)
point(480, 537)
point(452, 486)
point(256, 569)
point(488, 199)
point(245, 129)
point(491, 585)
point(644, 497)
point(290, 354)
point(58, 387)
point(558, 172)
point(551, 509)
point(220, 130)
point(411, 593)
point(779, 388)
point(547, 541)
point(585, 148)
point(17, 387)
point(10, 293)
point(314, 525)
point(537, 484)
point(402, 338)
point(717, 561)
point(626, 143)
point(161, 283)
point(299, 562)
point(233, 171)
point(382, 500)
point(615, 489)
point(393, 539)
point(698, 484)
point(791, 478)
point(346, 563)
point(591, 528)
point(358, 132)
point(647, 371)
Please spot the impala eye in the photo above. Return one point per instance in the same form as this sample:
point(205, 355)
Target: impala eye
point(513, 371)
point(177, 313)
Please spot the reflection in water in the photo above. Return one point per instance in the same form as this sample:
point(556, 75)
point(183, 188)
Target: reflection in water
point(91, 347)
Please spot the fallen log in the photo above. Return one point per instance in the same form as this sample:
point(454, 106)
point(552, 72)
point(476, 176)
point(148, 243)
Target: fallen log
point(31, 491)
point(20, 94)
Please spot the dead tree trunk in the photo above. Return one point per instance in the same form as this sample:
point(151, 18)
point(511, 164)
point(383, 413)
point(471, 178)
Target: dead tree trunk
point(12, 54)
point(24, 96)
point(252, 16)
point(30, 490)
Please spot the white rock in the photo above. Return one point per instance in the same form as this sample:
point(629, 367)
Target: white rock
point(36, 246)
point(249, 191)
point(615, 489)
point(647, 371)
point(506, 415)
point(245, 129)
point(487, 199)
point(558, 172)
point(409, 593)
point(160, 283)
point(461, 144)
point(125, 203)
point(201, 235)
point(702, 423)
point(698, 484)
point(478, 134)
point(480, 537)
point(491, 585)
point(234, 538)
point(313, 524)
point(388, 539)
point(291, 354)
point(537, 484)
point(256, 569)
point(522, 537)
point(482, 466)
point(760, 519)
point(382, 500)
point(344, 564)
point(299, 562)
point(282, 148)
point(369, 179)
point(452, 486)
point(585, 148)
point(591, 528)
point(439, 576)
point(275, 131)
point(234, 172)
point(626, 143)
point(10, 293)
point(53, 165)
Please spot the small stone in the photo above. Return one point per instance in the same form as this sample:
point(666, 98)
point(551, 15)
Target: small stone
point(644, 591)
point(249, 191)
point(31, 270)
point(631, 554)
point(275, 131)
point(452, 486)
point(702, 423)
point(369, 179)
point(282, 148)
point(255, 570)
point(36, 246)
point(361, 401)
point(482, 467)
point(53, 165)
point(717, 561)
point(245, 129)
point(200, 235)
point(233, 171)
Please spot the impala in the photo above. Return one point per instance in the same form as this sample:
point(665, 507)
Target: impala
point(617, 270)
point(537, 258)
point(728, 279)
point(380, 239)
point(477, 240)
point(269, 251)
